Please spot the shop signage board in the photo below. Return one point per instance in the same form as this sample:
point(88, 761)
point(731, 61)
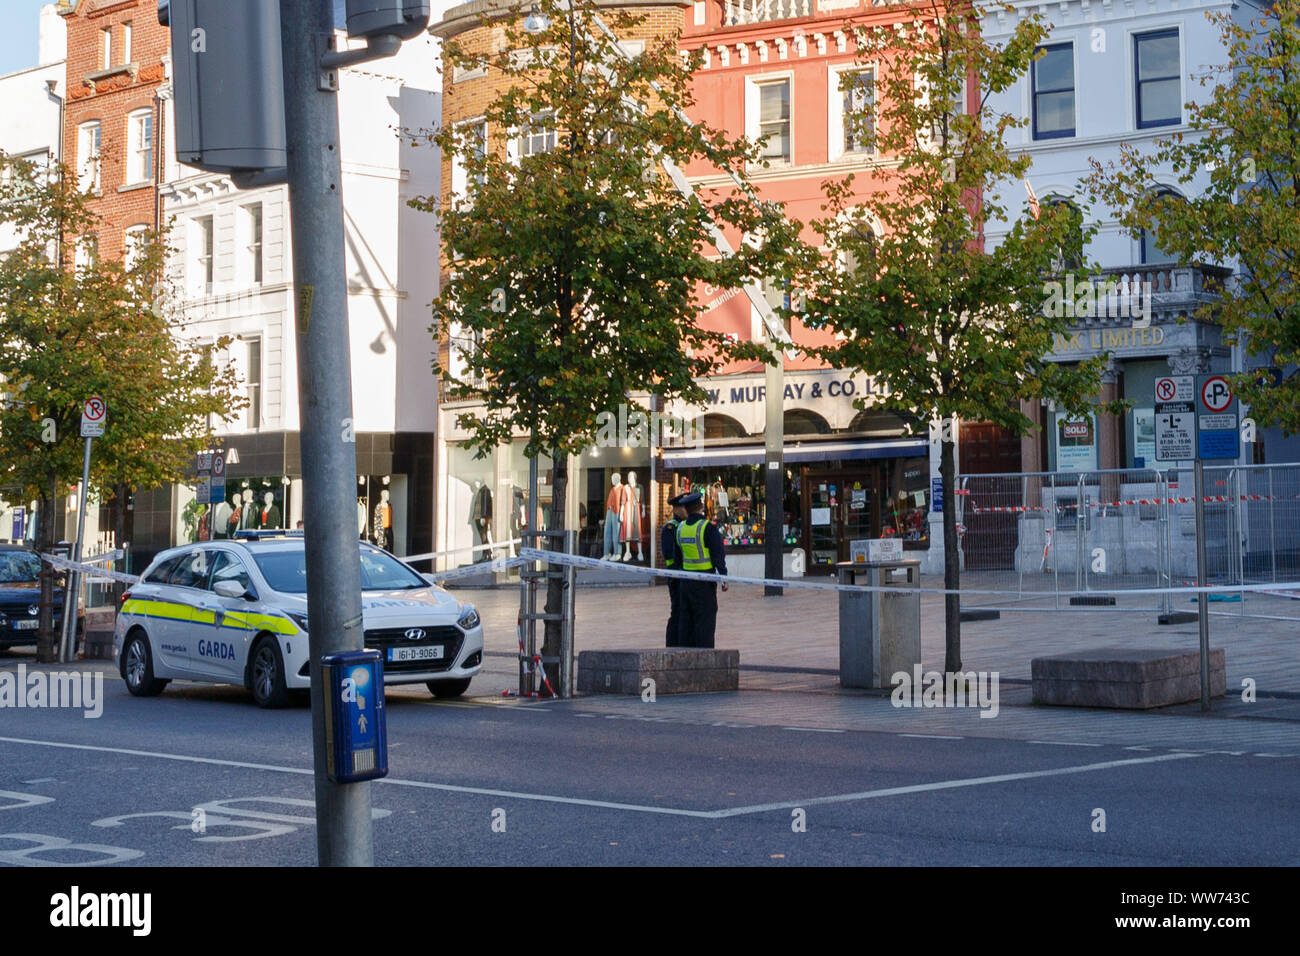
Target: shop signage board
point(1217, 418)
point(1175, 414)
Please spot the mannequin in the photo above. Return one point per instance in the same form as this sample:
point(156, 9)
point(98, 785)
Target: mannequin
point(613, 521)
point(361, 518)
point(221, 520)
point(248, 516)
point(384, 522)
point(631, 513)
point(270, 517)
point(480, 519)
point(235, 515)
point(204, 517)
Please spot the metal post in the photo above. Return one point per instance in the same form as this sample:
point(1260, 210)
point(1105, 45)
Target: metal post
point(566, 626)
point(1272, 527)
point(72, 590)
point(774, 442)
point(1202, 600)
point(329, 459)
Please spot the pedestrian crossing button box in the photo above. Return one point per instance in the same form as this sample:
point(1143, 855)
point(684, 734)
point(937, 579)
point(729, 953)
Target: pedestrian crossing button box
point(356, 738)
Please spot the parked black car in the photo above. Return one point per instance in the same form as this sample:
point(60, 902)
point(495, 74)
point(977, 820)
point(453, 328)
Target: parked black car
point(20, 597)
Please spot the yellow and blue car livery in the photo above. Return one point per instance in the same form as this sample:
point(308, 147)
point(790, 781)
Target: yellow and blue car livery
point(235, 611)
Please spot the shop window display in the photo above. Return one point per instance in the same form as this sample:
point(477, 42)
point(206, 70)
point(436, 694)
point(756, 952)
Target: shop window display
point(252, 504)
point(614, 506)
point(377, 517)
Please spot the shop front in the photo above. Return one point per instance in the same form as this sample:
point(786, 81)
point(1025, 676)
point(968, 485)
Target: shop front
point(849, 473)
point(264, 491)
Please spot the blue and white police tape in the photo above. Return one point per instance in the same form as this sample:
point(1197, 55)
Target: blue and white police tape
point(803, 584)
point(475, 570)
point(434, 555)
point(90, 568)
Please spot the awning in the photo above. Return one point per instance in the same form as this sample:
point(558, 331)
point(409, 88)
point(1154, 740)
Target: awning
point(676, 459)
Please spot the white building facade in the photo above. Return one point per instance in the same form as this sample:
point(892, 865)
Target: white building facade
point(1117, 73)
point(231, 269)
point(31, 124)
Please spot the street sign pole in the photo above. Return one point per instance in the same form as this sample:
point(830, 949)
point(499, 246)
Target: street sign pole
point(1202, 599)
point(329, 460)
point(68, 643)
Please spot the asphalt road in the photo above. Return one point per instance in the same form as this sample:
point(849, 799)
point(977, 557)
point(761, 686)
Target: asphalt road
point(570, 783)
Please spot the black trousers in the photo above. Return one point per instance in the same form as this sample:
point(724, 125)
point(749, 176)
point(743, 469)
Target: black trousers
point(697, 613)
point(671, 637)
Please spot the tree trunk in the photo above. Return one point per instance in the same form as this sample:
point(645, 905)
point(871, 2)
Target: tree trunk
point(121, 530)
point(951, 558)
point(47, 650)
point(555, 586)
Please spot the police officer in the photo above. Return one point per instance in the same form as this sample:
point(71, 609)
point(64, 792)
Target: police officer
point(668, 548)
point(699, 548)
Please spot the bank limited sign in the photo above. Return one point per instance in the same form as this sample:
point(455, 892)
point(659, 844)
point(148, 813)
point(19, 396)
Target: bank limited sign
point(1099, 340)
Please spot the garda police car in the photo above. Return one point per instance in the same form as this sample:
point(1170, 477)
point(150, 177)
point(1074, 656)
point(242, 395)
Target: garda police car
point(235, 612)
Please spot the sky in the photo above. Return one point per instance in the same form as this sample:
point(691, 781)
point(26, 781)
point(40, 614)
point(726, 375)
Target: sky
point(18, 35)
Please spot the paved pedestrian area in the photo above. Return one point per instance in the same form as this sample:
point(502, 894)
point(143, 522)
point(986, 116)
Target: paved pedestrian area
point(792, 642)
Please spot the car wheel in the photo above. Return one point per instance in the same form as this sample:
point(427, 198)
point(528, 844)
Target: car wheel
point(266, 674)
point(137, 668)
point(447, 688)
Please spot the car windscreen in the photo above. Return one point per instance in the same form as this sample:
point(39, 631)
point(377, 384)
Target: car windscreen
point(17, 567)
point(286, 571)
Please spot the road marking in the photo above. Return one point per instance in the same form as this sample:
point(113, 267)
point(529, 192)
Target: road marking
point(1060, 743)
point(932, 736)
point(815, 730)
point(634, 807)
point(943, 785)
point(43, 780)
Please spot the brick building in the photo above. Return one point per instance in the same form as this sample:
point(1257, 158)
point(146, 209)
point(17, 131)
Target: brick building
point(114, 115)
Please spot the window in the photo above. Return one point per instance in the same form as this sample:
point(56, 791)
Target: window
point(160, 573)
point(1070, 255)
point(126, 42)
point(87, 253)
point(1152, 254)
point(105, 48)
point(1157, 85)
point(538, 137)
point(859, 249)
point(1053, 81)
point(475, 132)
point(202, 234)
point(856, 96)
point(253, 243)
point(139, 127)
point(253, 380)
point(88, 157)
point(192, 570)
point(135, 244)
point(226, 567)
point(774, 121)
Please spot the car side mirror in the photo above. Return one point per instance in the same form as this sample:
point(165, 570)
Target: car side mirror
point(229, 589)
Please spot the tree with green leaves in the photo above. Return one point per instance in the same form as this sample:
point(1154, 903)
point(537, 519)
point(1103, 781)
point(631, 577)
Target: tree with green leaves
point(572, 260)
point(72, 329)
point(952, 329)
point(1246, 136)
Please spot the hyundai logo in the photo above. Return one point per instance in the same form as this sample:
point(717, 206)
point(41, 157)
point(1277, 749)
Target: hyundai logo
point(415, 634)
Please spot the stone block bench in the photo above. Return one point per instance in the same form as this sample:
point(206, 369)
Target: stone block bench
point(1136, 678)
point(674, 670)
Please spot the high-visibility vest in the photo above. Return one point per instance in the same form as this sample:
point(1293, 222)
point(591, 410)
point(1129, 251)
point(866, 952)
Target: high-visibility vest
point(690, 543)
point(674, 524)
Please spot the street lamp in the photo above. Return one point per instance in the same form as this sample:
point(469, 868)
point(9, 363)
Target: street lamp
point(536, 21)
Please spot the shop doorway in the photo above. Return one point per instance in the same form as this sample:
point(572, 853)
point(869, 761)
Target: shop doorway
point(840, 507)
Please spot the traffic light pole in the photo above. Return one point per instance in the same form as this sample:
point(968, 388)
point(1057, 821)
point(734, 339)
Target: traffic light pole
point(329, 460)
